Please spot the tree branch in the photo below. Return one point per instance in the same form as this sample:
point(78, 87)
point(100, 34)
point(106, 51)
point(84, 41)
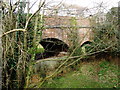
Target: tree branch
point(33, 15)
point(14, 30)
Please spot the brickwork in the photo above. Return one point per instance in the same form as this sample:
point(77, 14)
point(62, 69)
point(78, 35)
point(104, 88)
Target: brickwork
point(58, 31)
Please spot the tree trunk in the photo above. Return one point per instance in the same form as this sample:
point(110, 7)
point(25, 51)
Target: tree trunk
point(0, 50)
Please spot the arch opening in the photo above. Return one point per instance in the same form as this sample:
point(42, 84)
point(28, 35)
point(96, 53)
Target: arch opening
point(86, 42)
point(53, 47)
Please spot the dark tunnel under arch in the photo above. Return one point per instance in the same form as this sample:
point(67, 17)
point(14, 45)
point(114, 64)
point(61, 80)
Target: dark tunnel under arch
point(52, 47)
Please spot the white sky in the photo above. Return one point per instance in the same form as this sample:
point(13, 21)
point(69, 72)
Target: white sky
point(83, 3)
point(91, 3)
point(86, 3)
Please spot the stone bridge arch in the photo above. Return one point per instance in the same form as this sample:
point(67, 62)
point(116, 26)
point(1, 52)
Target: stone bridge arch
point(57, 33)
point(59, 27)
point(52, 46)
point(55, 37)
point(84, 34)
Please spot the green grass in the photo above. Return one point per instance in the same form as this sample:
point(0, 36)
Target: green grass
point(100, 74)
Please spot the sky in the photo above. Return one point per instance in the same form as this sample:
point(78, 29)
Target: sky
point(108, 4)
point(91, 3)
point(82, 3)
point(86, 3)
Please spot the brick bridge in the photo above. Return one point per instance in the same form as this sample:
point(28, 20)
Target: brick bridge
point(55, 37)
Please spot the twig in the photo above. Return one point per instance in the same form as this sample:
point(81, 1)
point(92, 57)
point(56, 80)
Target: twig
point(73, 57)
point(33, 4)
point(79, 57)
point(11, 31)
point(33, 15)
